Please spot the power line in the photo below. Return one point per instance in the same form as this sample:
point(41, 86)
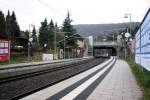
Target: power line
point(50, 7)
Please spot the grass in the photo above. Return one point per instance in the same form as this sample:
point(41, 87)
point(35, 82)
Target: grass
point(14, 60)
point(22, 59)
point(142, 77)
point(18, 59)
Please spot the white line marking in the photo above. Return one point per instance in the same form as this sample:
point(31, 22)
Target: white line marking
point(83, 86)
point(50, 91)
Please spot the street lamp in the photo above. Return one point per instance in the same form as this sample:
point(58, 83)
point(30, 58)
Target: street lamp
point(54, 44)
point(126, 16)
point(127, 35)
point(65, 37)
point(64, 46)
point(30, 39)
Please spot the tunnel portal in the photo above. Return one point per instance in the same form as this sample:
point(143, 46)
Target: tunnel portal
point(104, 51)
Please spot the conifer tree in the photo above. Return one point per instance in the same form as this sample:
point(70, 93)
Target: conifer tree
point(69, 31)
point(51, 24)
point(51, 34)
point(35, 43)
point(2, 24)
point(14, 25)
point(34, 34)
point(8, 25)
point(43, 34)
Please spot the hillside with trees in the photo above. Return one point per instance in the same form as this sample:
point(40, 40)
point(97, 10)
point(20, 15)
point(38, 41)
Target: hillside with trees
point(98, 29)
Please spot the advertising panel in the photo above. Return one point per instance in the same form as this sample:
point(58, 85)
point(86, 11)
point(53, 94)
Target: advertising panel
point(4, 50)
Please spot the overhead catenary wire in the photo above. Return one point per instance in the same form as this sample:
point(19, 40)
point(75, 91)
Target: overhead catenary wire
point(50, 7)
point(41, 2)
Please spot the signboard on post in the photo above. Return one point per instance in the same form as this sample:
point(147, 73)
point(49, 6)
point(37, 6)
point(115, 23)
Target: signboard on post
point(4, 49)
point(61, 53)
point(47, 57)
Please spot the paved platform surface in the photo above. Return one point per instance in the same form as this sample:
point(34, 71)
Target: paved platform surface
point(119, 84)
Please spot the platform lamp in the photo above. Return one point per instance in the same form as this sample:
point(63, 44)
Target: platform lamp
point(30, 39)
point(128, 16)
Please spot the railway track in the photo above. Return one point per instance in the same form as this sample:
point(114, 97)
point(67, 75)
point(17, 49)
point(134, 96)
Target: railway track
point(26, 68)
point(21, 85)
point(32, 74)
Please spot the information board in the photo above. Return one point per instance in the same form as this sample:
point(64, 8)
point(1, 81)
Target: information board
point(4, 49)
point(142, 50)
point(47, 57)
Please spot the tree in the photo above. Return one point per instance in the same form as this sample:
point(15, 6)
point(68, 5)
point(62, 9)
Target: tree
point(14, 25)
point(24, 34)
point(43, 34)
point(56, 26)
point(34, 42)
point(51, 24)
point(69, 31)
point(2, 24)
point(34, 34)
point(8, 25)
point(59, 36)
point(51, 31)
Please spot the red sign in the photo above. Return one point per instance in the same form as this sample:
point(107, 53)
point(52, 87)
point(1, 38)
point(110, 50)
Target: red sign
point(4, 49)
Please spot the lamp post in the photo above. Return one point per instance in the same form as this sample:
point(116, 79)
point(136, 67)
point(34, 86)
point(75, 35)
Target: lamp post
point(65, 37)
point(54, 44)
point(127, 34)
point(64, 46)
point(29, 41)
point(126, 16)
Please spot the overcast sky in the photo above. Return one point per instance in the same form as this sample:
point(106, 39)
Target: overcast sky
point(82, 11)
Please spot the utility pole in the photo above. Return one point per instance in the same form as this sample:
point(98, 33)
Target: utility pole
point(126, 51)
point(55, 45)
point(64, 45)
point(29, 41)
point(29, 45)
point(9, 42)
point(130, 23)
point(60, 41)
point(126, 16)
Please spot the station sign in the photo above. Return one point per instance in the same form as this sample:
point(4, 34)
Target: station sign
point(4, 49)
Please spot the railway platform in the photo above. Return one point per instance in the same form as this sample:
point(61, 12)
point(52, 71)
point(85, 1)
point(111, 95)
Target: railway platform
point(107, 81)
point(25, 68)
point(119, 84)
point(13, 66)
